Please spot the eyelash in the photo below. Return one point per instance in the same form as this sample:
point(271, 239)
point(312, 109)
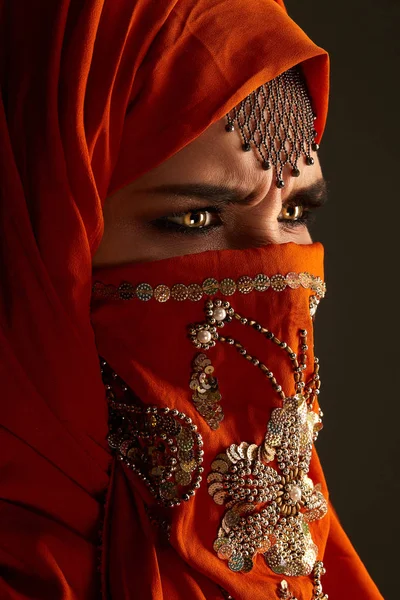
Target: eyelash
point(164, 224)
point(307, 218)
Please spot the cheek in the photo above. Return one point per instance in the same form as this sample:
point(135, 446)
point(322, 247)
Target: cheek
point(298, 235)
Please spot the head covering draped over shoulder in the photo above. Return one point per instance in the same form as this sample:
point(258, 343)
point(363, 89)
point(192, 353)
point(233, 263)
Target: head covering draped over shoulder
point(94, 93)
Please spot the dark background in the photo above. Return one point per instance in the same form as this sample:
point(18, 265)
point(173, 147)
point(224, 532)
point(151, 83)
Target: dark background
point(357, 324)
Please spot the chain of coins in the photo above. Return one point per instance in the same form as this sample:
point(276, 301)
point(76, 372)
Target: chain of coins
point(206, 395)
point(195, 292)
point(162, 446)
point(277, 120)
point(268, 496)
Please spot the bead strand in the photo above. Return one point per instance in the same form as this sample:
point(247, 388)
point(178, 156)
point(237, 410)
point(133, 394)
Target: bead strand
point(256, 362)
point(269, 336)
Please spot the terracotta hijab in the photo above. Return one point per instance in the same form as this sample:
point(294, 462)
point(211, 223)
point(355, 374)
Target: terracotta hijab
point(93, 94)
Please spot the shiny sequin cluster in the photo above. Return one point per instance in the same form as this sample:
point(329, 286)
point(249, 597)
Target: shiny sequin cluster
point(313, 304)
point(210, 286)
point(206, 395)
point(162, 446)
point(268, 495)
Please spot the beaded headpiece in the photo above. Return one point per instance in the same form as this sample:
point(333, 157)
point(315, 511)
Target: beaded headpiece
point(277, 119)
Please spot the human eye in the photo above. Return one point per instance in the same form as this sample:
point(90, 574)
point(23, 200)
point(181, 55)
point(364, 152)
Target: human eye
point(296, 215)
point(196, 221)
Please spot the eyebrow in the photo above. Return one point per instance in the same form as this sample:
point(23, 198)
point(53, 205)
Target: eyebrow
point(314, 195)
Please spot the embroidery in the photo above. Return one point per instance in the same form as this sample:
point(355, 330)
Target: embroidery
point(314, 302)
point(162, 446)
point(195, 292)
point(206, 394)
point(284, 592)
point(268, 507)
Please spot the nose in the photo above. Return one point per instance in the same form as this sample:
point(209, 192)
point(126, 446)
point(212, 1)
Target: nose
point(257, 223)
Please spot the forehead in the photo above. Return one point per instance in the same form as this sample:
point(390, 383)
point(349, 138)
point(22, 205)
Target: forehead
point(216, 157)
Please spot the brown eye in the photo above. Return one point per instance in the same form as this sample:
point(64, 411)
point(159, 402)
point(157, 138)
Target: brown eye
point(292, 212)
point(193, 219)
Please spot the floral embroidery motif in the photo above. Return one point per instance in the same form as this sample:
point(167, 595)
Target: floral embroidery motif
point(268, 496)
point(268, 513)
point(162, 446)
point(195, 291)
point(206, 395)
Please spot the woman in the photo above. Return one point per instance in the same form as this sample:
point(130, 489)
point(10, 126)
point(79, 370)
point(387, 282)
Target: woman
point(205, 454)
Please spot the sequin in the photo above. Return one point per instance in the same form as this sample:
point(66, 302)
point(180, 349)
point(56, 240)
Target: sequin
point(215, 487)
point(245, 284)
point(185, 440)
point(223, 456)
point(220, 466)
point(227, 287)
point(247, 565)
point(278, 283)
point(232, 453)
point(171, 425)
point(210, 286)
point(179, 292)
point(231, 519)
point(168, 490)
point(144, 292)
point(162, 293)
point(182, 477)
point(305, 279)
point(214, 477)
point(185, 456)
point(220, 497)
point(252, 452)
point(195, 292)
point(242, 449)
point(190, 466)
point(126, 291)
point(219, 542)
point(293, 280)
point(236, 562)
point(225, 552)
point(261, 282)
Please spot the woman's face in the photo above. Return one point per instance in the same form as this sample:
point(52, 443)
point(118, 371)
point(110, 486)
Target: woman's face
point(209, 196)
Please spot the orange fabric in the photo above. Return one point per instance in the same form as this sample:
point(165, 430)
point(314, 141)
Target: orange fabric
point(147, 343)
point(93, 94)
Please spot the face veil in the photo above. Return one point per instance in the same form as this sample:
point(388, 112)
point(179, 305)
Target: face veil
point(93, 95)
point(218, 348)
